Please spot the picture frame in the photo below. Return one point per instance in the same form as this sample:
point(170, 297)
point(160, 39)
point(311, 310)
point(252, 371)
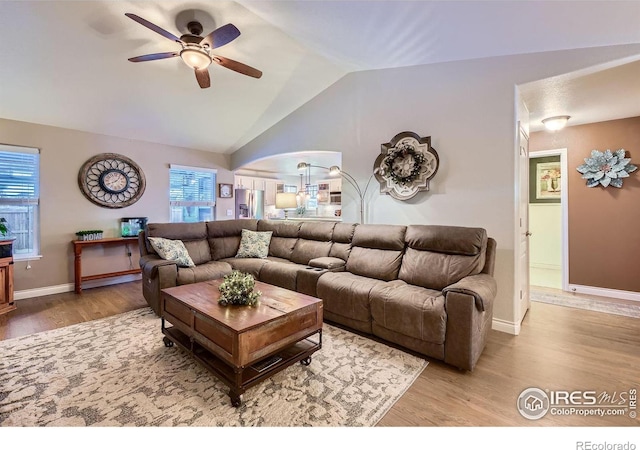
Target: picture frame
point(225, 190)
point(545, 179)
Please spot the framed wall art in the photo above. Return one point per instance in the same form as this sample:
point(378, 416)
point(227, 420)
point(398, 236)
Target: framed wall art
point(544, 179)
point(225, 190)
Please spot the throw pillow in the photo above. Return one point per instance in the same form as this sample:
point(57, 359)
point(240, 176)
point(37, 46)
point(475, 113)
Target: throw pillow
point(254, 244)
point(172, 250)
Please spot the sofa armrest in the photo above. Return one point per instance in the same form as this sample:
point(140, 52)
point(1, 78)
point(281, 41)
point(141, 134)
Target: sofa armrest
point(150, 264)
point(482, 287)
point(329, 263)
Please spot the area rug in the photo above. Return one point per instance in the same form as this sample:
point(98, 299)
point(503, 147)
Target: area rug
point(584, 302)
point(117, 372)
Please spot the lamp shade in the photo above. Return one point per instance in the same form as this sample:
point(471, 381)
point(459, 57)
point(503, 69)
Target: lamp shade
point(286, 200)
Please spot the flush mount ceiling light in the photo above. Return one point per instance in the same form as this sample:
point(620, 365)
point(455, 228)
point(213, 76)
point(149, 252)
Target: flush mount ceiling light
point(555, 123)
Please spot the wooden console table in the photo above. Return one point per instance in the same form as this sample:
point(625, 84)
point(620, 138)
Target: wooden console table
point(6, 275)
point(77, 250)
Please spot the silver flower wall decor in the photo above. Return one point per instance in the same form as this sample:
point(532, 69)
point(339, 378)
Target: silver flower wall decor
point(606, 168)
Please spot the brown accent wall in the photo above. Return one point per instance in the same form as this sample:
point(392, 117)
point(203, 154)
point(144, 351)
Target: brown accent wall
point(604, 223)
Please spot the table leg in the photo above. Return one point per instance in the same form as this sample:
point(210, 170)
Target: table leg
point(77, 266)
point(236, 399)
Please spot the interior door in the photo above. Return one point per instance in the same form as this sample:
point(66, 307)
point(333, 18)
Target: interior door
point(523, 247)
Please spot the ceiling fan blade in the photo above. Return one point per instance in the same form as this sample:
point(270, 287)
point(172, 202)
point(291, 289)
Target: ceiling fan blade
point(154, 56)
point(202, 75)
point(237, 66)
point(221, 36)
point(153, 27)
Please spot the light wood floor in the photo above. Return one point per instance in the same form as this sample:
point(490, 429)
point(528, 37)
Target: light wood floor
point(558, 348)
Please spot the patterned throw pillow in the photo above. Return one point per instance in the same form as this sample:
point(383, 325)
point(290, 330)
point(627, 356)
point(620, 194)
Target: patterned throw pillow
point(172, 251)
point(254, 244)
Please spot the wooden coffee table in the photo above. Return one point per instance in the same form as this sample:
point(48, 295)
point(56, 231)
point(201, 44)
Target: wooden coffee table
point(242, 345)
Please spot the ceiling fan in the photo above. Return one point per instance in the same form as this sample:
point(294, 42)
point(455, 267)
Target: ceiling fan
point(196, 50)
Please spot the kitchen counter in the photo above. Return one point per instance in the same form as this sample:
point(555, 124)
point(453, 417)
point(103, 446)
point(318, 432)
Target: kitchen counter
point(311, 219)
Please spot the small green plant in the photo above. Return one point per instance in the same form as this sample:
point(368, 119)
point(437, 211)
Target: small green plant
point(237, 289)
point(4, 229)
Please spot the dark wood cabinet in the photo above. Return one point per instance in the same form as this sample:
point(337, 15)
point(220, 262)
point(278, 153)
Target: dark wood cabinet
point(6, 276)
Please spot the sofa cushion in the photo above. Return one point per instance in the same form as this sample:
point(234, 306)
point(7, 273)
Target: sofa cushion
point(203, 272)
point(182, 231)
point(409, 310)
point(342, 236)
point(224, 247)
point(283, 240)
point(438, 256)
point(246, 265)
point(224, 236)
point(316, 231)
point(327, 263)
point(347, 295)
point(384, 237)
point(281, 274)
point(374, 263)
point(254, 244)
point(198, 251)
point(172, 250)
point(306, 250)
point(314, 241)
point(447, 239)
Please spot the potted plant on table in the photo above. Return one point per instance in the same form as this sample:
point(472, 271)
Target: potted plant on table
point(4, 227)
point(237, 289)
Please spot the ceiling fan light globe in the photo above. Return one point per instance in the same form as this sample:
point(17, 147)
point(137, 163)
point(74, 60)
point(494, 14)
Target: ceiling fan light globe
point(195, 58)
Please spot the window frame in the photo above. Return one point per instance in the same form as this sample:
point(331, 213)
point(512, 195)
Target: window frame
point(200, 204)
point(34, 202)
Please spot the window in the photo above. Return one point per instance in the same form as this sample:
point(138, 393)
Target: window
point(20, 197)
point(192, 194)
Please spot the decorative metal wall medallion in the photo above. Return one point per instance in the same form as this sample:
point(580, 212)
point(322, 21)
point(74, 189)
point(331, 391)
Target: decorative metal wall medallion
point(606, 168)
point(111, 180)
point(405, 165)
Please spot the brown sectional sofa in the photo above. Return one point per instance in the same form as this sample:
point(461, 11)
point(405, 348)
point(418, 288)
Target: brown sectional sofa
point(427, 288)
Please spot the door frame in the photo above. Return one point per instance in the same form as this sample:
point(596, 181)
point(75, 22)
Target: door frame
point(564, 206)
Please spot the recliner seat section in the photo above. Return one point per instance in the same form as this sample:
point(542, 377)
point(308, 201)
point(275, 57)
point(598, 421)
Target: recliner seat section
point(375, 258)
point(427, 288)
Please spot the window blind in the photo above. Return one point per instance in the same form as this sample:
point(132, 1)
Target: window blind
point(19, 176)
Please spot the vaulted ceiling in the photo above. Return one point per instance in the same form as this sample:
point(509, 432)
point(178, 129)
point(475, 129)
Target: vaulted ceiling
point(65, 63)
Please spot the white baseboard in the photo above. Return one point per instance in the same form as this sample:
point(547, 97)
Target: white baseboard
point(605, 292)
point(545, 266)
point(505, 326)
point(69, 287)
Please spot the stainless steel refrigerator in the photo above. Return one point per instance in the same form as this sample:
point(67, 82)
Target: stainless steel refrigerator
point(249, 204)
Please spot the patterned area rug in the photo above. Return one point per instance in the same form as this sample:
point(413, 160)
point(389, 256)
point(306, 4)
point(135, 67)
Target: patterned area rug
point(117, 372)
point(584, 302)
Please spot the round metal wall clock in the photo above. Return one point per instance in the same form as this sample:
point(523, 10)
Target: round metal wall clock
point(111, 180)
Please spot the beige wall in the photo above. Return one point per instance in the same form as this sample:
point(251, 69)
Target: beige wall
point(468, 109)
point(604, 236)
point(64, 210)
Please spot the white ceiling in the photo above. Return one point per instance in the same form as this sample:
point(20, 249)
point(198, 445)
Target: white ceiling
point(65, 63)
